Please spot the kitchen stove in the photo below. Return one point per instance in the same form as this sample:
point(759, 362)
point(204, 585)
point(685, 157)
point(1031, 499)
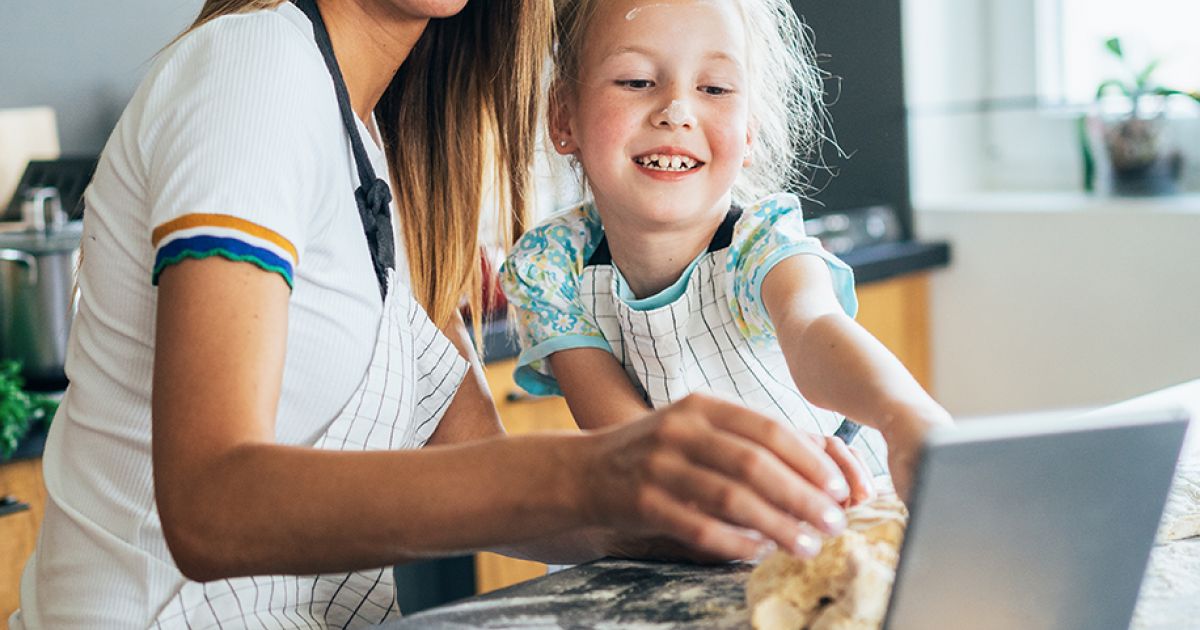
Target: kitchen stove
point(854, 228)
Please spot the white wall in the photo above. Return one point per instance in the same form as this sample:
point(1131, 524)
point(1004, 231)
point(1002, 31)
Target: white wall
point(943, 55)
point(1061, 301)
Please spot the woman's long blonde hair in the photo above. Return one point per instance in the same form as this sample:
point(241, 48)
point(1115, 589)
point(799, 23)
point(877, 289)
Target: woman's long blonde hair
point(461, 114)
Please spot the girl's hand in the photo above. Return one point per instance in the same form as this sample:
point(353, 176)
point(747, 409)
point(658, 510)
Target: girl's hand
point(850, 462)
point(904, 435)
point(719, 478)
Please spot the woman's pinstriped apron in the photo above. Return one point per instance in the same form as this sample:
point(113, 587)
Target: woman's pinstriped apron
point(414, 373)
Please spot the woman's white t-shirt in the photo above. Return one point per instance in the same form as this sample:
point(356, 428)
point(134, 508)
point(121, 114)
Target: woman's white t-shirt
point(232, 146)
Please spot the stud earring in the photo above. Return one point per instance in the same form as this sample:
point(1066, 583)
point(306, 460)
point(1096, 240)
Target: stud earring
point(562, 143)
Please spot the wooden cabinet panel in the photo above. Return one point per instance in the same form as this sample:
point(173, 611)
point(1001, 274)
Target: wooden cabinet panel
point(520, 413)
point(18, 532)
point(896, 311)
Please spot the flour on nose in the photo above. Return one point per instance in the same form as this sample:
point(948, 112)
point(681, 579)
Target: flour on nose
point(678, 113)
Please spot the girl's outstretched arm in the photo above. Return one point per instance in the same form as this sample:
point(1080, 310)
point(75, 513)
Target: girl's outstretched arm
point(838, 365)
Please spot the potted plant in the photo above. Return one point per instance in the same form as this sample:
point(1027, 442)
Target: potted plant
point(20, 411)
point(1127, 148)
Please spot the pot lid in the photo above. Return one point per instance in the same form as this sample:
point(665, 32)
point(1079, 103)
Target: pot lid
point(61, 240)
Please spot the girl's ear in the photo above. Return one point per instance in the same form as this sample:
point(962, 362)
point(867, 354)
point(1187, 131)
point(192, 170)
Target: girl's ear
point(560, 122)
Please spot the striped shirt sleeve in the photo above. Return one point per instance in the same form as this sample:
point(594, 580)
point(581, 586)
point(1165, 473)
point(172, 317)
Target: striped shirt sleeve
point(233, 148)
point(199, 236)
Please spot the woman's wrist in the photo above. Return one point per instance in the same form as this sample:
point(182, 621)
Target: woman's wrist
point(570, 473)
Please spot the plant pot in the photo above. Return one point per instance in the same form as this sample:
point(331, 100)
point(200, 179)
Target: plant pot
point(1131, 155)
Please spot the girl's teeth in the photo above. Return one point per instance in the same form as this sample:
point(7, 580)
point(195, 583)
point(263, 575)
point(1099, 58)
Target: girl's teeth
point(667, 162)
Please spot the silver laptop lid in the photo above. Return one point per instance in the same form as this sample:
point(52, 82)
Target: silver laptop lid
point(1033, 524)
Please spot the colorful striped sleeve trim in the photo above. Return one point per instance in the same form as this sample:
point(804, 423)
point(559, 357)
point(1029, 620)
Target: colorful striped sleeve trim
point(199, 236)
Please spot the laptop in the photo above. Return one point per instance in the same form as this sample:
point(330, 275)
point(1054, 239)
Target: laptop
point(1028, 524)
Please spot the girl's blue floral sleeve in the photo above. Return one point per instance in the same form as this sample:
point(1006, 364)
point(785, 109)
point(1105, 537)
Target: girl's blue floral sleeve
point(768, 232)
point(541, 282)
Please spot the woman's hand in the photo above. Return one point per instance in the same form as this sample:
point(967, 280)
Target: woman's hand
point(717, 477)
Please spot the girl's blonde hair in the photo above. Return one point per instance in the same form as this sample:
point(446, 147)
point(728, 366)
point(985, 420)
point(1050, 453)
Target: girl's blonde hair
point(460, 114)
point(785, 90)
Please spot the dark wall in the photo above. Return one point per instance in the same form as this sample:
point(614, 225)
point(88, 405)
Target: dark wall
point(858, 42)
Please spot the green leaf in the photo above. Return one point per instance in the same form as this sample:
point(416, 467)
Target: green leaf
point(1089, 160)
point(1113, 44)
point(1114, 83)
point(1143, 77)
point(1162, 91)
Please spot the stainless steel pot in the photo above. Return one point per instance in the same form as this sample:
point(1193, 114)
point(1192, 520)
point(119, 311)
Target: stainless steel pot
point(37, 277)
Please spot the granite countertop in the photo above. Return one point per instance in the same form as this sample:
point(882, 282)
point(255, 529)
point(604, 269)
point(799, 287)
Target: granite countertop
point(605, 594)
point(628, 594)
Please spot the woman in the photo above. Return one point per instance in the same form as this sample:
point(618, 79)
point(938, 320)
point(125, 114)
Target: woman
point(272, 394)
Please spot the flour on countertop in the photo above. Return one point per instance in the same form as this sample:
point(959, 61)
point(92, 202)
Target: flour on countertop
point(1181, 516)
point(1171, 589)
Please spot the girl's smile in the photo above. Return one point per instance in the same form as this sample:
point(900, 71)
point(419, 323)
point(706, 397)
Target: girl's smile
point(668, 163)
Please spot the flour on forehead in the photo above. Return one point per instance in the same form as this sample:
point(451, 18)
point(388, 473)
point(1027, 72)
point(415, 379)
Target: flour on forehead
point(633, 13)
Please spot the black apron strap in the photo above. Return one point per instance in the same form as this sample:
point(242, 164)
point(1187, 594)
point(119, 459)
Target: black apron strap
point(373, 197)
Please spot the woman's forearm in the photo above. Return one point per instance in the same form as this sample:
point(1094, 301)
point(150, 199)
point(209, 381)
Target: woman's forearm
point(270, 509)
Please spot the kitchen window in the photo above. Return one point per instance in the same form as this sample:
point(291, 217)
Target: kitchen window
point(994, 88)
point(1074, 60)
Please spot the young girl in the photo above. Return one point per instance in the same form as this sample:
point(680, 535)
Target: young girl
point(686, 271)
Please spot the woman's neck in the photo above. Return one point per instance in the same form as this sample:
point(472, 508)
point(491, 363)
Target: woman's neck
point(371, 38)
point(652, 259)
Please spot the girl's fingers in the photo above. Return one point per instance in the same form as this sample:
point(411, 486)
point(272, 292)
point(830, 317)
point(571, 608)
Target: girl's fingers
point(802, 455)
point(866, 464)
point(735, 504)
point(857, 473)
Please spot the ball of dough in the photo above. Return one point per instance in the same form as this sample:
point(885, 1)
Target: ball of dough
point(844, 587)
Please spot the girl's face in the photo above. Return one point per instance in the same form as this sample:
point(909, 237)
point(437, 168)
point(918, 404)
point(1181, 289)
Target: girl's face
point(659, 119)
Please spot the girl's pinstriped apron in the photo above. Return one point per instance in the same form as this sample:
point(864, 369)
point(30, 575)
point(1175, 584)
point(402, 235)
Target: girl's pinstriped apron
point(413, 376)
point(414, 373)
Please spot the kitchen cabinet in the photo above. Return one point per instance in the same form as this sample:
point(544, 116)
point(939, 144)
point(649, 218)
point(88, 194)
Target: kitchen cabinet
point(18, 531)
point(896, 311)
